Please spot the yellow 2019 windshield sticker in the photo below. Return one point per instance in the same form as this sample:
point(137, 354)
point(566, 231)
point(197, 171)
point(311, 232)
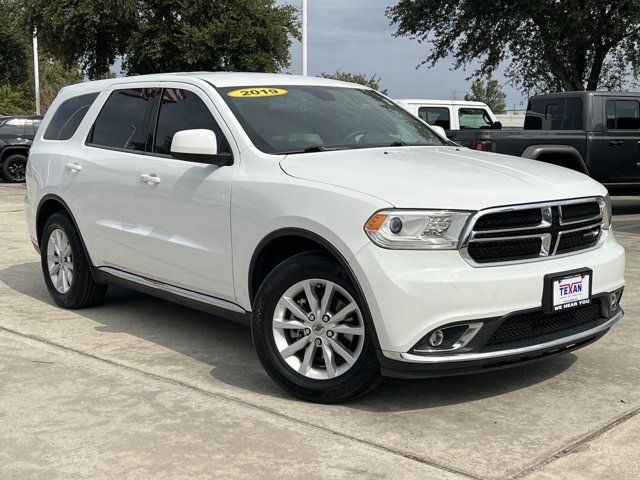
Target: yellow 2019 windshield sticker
point(257, 92)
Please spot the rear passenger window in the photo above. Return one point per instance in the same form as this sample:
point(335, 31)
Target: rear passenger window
point(124, 119)
point(623, 115)
point(67, 118)
point(437, 116)
point(554, 114)
point(184, 110)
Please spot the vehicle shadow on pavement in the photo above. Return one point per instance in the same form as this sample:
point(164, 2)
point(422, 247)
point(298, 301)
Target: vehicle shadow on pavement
point(226, 347)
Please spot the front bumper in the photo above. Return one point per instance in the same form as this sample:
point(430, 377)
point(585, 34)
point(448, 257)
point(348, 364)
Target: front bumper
point(411, 293)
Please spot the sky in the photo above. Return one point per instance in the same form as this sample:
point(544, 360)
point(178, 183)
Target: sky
point(355, 36)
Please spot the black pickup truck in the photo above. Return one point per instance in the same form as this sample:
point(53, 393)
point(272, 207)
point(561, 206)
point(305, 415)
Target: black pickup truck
point(597, 133)
point(16, 136)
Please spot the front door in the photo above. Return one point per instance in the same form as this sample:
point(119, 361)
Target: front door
point(621, 140)
point(186, 205)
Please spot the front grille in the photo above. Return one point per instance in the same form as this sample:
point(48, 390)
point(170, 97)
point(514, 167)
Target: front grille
point(534, 232)
point(538, 327)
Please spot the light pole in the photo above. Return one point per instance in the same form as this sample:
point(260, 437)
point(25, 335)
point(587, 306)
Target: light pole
point(304, 37)
point(36, 73)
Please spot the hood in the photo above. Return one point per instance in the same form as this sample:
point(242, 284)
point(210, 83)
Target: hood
point(441, 177)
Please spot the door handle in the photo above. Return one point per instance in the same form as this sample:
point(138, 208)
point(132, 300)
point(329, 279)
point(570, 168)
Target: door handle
point(616, 143)
point(73, 167)
point(150, 179)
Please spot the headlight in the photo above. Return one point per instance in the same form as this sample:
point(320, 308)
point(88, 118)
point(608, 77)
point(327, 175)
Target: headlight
point(417, 229)
point(607, 214)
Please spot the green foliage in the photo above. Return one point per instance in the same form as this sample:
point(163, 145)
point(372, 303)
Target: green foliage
point(490, 93)
point(548, 44)
point(15, 52)
point(15, 101)
point(166, 35)
point(91, 33)
point(372, 82)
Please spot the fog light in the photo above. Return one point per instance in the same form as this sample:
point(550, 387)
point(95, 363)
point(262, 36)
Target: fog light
point(436, 338)
point(614, 300)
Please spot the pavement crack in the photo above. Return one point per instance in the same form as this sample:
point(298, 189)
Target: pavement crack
point(220, 396)
point(576, 443)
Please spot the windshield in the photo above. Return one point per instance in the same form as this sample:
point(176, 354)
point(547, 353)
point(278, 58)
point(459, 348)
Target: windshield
point(297, 119)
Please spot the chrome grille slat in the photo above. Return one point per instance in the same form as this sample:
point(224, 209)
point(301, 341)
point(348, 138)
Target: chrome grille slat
point(550, 231)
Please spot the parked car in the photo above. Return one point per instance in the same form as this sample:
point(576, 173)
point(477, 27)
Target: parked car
point(453, 115)
point(596, 133)
point(352, 239)
point(16, 136)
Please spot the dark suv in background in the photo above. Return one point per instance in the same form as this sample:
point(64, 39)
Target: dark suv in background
point(16, 136)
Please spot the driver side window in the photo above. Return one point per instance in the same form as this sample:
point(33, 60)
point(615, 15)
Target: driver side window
point(474, 118)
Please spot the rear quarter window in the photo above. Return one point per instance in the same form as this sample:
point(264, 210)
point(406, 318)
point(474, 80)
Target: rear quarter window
point(67, 118)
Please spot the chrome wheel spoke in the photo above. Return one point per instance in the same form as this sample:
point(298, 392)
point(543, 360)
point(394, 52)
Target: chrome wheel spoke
point(55, 269)
point(340, 350)
point(288, 325)
point(294, 347)
point(312, 299)
point(326, 298)
point(343, 313)
point(348, 329)
point(60, 261)
point(329, 362)
point(308, 358)
point(294, 308)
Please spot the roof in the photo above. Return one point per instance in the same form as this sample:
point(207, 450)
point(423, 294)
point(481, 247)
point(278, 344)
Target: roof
point(217, 79)
point(585, 94)
point(460, 103)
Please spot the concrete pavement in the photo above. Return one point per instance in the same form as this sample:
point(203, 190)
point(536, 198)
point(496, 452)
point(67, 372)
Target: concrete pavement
point(141, 387)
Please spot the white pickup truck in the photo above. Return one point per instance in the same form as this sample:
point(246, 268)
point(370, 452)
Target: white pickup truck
point(452, 115)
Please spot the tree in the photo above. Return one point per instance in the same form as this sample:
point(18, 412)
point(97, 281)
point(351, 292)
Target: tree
point(372, 82)
point(15, 52)
point(15, 101)
point(490, 93)
point(549, 44)
point(167, 35)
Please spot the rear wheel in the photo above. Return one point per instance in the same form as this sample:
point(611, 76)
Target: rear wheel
point(311, 332)
point(65, 266)
point(14, 168)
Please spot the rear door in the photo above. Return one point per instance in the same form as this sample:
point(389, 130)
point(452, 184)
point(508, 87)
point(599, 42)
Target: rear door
point(621, 140)
point(187, 209)
point(102, 174)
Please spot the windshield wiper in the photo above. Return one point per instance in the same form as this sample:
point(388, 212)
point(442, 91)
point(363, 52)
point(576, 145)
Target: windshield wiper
point(311, 149)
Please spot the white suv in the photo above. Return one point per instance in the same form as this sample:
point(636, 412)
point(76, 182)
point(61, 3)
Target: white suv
point(355, 241)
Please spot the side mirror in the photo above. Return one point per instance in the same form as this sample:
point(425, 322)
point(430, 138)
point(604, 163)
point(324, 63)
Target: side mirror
point(199, 146)
point(496, 125)
point(440, 131)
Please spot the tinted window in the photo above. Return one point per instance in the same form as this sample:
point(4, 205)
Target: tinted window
point(474, 118)
point(124, 119)
point(623, 115)
point(67, 118)
point(13, 127)
point(183, 110)
point(554, 114)
point(437, 116)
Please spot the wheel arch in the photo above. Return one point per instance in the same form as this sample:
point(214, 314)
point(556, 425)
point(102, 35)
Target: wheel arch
point(50, 204)
point(539, 152)
point(317, 243)
point(13, 149)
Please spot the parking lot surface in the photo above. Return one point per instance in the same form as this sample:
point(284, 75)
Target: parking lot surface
point(142, 388)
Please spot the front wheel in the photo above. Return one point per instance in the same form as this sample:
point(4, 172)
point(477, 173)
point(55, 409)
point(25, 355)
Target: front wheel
point(311, 331)
point(14, 168)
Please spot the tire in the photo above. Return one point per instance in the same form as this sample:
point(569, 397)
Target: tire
point(306, 373)
point(73, 286)
point(14, 168)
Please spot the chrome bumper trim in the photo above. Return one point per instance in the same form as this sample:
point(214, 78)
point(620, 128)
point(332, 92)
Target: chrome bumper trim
point(468, 357)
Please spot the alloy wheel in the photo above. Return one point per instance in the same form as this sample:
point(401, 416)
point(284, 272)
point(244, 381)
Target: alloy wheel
point(60, 261)
point(318, 329)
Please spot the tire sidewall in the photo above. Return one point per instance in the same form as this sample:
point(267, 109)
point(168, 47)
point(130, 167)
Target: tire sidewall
point(357, 380)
